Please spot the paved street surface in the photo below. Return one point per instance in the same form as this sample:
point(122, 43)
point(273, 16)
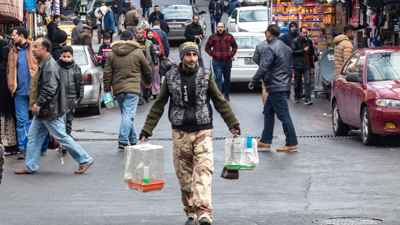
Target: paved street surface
point(329, 177)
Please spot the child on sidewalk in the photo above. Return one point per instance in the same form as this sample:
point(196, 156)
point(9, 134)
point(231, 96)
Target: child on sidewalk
point(104, 49)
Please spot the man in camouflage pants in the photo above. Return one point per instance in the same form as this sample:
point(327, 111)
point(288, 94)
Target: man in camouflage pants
point(189, 91)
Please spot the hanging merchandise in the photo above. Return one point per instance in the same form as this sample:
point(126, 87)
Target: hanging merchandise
point(56, 8)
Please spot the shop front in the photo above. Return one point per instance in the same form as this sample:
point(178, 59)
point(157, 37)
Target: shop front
point(11, 14)
point(317, 16)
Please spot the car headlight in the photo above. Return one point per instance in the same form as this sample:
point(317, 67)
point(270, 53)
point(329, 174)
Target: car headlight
point(388, 103)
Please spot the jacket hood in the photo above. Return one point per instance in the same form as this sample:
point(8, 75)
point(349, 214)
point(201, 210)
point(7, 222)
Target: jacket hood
point(123, 48)
point(340, 38)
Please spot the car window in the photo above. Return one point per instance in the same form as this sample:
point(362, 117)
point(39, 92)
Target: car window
point(383, 66)
point(178, 12)
point(353, 65)
point(249, 42)
point(253, 15)
point(80, 57)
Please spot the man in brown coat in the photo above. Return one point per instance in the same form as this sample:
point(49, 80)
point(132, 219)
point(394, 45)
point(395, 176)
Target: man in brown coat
point(21, 69)
point(343, 48)
point(125, 67)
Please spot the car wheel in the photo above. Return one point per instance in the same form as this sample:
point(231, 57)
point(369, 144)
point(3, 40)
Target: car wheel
point(367, 137)
point(339, 128)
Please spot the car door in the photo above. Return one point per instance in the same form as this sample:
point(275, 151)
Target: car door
point(355, 93)
point(352, 86)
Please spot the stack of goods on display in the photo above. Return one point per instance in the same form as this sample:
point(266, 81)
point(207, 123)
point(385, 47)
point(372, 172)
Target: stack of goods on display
point(313, 14)
point(144, 167)
point(241, 153)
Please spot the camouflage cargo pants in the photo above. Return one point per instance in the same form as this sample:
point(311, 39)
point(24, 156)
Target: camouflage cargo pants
point(193, 161)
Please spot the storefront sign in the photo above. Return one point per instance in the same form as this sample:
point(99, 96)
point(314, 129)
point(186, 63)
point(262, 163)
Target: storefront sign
point(30, 5)
point(12, 8)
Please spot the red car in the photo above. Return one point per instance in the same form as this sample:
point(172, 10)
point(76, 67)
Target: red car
point(367, 97)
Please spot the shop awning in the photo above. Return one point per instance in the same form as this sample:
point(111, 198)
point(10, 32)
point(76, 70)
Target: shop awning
point(11, 10)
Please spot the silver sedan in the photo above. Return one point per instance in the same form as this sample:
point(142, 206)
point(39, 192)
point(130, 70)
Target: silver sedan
point(92, 79)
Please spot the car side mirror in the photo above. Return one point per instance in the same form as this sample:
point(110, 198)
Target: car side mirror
point(353, 77)
point(202, 12)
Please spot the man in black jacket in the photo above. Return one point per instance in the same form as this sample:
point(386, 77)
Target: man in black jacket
point(275, 65)
point(216, 9)
point(194, 33)
point(303, 62)
point(49, 113)
point(158, 15)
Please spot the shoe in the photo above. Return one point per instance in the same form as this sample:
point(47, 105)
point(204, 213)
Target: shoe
point(204, 221)
point(263, 147)
point(308, 102)
point(297, 100)
point(190, 221)
point(84, 167)
point(10, 153)
point(287, 148)
point(20, 155)
point(23, 172)
point(121, 147)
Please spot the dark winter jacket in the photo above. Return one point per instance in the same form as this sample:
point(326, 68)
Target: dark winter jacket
point(164, 39)
point(125, 68)
point(71, 76)
point(301, 58)
point(216, 8)
point(51, 93)
point(146, 3)
point(192, 30)
point(189, 95)
point(289, 37)
point(275, 65)
point(159, 16)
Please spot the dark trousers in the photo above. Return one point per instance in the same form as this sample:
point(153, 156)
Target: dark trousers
point(302, 74)
point(277, 104)
point(222, 75)
point(146, 11)
point(214, 20)
point(69, 117)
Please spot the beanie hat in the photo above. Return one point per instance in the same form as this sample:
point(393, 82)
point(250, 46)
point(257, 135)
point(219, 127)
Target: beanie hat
point(60, 36)
point(188, 47)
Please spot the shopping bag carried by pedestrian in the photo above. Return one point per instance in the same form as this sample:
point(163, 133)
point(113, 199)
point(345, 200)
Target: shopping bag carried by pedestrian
point(108, 100)
point(144, 167)
point(241, 153)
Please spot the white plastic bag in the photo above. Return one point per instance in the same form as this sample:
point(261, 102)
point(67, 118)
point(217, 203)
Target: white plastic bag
point(241, 153)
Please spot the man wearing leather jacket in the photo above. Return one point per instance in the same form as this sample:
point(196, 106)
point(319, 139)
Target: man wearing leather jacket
point(49, 114)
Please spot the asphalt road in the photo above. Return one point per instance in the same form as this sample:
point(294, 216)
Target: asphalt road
point(329, 177)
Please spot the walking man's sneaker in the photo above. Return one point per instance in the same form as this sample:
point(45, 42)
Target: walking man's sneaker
point(23, 171)
point(308, 102)
point(263, 147)
point(84, 167)
point(122, 147)
point(190, 221)
point(204, 221)
point(287, 148)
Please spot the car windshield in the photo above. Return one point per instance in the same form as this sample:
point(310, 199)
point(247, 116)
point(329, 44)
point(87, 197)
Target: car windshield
point(248, 42)
point(178, 12)
point(80, 57)
point(383, 66)
point(258, 15)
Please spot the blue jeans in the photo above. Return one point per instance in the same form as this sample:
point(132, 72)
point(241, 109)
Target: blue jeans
point(22, 122)
point(214, 20)
point(222, 75)
point(39, 132)
point(277, 104)
point(146, 12)
point(128, 103)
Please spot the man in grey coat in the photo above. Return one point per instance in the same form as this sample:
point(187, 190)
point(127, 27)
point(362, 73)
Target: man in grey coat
point(275, 63)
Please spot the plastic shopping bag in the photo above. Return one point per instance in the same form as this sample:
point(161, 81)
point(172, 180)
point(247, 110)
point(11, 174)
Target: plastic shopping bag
point(241, 153)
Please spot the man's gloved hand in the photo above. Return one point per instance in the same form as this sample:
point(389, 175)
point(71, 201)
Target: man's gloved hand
point(235, 130)
point(251, 85)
